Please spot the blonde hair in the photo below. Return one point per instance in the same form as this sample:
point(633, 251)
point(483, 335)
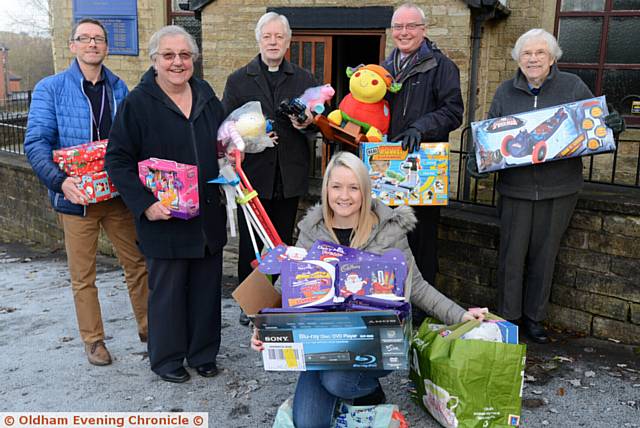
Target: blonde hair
point(367, 219)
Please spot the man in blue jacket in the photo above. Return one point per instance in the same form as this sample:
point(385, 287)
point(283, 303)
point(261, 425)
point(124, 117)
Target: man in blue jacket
point(428, 107)
point(70, 108)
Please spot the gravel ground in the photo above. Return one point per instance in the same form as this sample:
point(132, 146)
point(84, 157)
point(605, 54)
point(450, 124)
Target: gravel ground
point(572, 382)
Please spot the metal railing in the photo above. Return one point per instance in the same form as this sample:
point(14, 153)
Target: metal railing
point(13, 121)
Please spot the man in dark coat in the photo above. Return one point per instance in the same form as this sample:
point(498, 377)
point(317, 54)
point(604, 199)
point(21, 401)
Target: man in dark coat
point(428, 107)
point(279, 174)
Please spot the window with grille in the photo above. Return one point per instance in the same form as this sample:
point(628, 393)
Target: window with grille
point(601, 44)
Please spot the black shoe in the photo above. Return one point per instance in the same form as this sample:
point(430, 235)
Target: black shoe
point(534, 330)
point(207, 370)
point(377, 397)
point(179, 375)
point(244, 319)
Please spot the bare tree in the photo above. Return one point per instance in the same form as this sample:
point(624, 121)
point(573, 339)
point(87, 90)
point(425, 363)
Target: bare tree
point(35, 19)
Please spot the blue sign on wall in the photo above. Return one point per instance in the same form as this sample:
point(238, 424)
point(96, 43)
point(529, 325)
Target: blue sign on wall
point(119, 17)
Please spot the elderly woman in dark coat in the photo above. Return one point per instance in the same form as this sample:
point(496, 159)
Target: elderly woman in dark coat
point(537, 201)
point(173, 115)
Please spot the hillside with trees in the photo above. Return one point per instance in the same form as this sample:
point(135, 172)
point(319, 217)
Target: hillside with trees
point(29, 57)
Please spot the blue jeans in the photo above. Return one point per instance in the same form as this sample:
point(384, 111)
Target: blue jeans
point(317, 393)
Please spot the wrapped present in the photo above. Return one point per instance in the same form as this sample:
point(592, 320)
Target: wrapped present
point(401, 178)
point(98, 187)
point(82, 159)
point(554, 133)
point(174, 184)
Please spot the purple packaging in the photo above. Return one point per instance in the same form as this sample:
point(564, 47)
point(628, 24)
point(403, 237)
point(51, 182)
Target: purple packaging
point(307, 283)
point(272, 261)
point(330, 252)
point(381, 278)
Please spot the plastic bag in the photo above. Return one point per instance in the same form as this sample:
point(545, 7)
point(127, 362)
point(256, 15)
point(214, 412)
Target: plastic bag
point(245, 129)
point(465, 382)
point(348, 416)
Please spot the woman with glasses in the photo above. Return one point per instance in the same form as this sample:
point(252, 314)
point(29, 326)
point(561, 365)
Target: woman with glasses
point(173, 115)
point(536, 201)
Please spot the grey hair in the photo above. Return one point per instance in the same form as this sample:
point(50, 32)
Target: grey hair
point(413, 6)
point(537, 33)
point(268, 17)
point(172, 30)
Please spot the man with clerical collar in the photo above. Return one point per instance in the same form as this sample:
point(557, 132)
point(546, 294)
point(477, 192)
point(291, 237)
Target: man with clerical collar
point(280, 173)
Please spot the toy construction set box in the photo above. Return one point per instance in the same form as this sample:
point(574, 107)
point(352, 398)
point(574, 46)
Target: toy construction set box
point(401, 178)
point(174, 184)
point(554, 133)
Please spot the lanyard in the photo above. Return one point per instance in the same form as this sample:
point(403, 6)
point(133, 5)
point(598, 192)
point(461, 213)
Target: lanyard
point(97, 124)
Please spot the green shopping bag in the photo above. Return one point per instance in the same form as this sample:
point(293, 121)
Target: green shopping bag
point(466, 383)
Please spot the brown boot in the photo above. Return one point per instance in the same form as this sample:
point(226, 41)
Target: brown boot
point(97, 353)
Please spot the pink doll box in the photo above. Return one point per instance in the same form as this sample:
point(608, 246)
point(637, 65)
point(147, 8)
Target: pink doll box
point(174, 184)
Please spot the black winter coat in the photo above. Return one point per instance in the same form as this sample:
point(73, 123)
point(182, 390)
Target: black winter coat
point(149, 124)
point(549, 179)
point(292, 151)
point(430, 99)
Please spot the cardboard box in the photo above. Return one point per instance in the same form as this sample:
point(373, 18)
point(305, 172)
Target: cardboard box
point(554, 133)
point(82, 159)
point(174, 184)
point(98, 187)
point(401, 178)
point(367, 340)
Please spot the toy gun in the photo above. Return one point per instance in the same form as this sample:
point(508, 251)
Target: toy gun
point(314, 98)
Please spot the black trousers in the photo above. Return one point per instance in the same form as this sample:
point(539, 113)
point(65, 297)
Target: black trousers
point(184, 311)
point(423, 241)
point(282, 213)
point(530, 235)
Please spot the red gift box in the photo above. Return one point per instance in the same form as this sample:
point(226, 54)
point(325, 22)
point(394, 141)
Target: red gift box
point(98, 187)
point(82, 159)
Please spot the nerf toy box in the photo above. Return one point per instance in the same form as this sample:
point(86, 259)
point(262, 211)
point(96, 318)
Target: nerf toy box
point(376, 340)
point(82, 159)
point(174, 184)
point(564, 131)
point(98, 187)
point(401, 178)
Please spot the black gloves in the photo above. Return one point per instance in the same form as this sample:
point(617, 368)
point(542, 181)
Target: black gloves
point(410, 139)
point(472, 167)
point(614, 121)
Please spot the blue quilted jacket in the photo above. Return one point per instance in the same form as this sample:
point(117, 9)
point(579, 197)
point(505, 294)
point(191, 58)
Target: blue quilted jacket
point(60, 116)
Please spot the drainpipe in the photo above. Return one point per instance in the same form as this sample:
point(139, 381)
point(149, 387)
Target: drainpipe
point(483, 11)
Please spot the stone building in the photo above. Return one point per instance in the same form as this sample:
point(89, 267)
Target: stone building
point(597, 283)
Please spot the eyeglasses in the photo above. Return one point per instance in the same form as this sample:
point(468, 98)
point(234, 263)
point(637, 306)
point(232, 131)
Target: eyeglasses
point(85, 40)
point(410, 27)
point(538, 54)
point(170, 56)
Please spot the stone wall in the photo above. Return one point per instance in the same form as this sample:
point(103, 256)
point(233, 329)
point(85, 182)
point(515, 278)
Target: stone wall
point(25, 213)
point(596, 286)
